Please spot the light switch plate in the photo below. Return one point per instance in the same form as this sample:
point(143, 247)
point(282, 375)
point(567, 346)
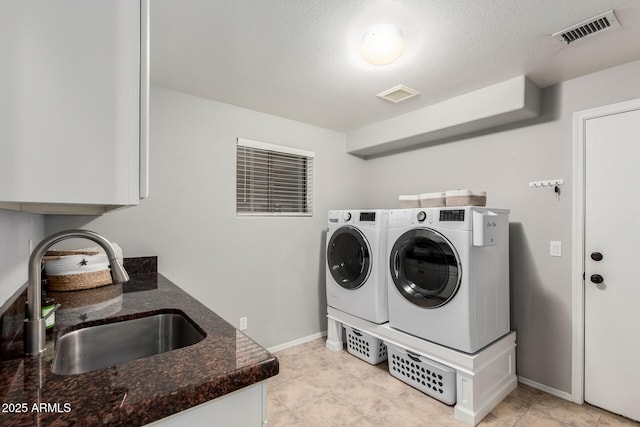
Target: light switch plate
point(555, 248)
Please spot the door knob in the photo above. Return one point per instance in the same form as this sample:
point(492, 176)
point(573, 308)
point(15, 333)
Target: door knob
point(596, 256)
point(596, 278)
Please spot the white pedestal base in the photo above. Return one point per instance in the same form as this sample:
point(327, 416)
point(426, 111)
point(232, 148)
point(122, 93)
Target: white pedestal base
point(334, 335)
point(483, 379)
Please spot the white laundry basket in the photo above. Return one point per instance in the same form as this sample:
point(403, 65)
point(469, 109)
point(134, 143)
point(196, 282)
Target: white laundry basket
point(432, 378)
point(362, 345)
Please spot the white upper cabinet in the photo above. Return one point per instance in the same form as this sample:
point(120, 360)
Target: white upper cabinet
point(73, 105)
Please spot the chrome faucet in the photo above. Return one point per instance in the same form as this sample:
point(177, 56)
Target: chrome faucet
point(34, 325)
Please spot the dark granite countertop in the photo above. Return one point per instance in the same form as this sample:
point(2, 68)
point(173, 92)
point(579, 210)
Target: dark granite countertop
point(136, 392)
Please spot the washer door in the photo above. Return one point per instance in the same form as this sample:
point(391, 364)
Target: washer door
point(425, 268)
point(349, 257)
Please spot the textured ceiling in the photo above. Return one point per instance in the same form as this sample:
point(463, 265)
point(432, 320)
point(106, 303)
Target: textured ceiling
point(300, 59)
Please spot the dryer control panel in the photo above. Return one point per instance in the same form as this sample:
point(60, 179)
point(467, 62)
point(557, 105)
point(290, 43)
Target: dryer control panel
point(368, 216)
point(452, 215)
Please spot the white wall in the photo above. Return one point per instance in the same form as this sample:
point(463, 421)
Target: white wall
point(16, 229)
point(503, 163)
point(270, 270)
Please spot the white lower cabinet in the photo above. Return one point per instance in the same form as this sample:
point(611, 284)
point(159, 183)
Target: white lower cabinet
point(73, 116)
point(243, 408)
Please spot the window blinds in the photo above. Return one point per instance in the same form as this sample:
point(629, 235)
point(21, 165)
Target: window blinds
point(273, 179)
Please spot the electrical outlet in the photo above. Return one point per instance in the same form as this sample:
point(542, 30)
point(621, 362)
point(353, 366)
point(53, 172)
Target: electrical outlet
point(243, 323)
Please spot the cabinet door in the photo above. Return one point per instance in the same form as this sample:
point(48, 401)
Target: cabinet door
point(70, 108)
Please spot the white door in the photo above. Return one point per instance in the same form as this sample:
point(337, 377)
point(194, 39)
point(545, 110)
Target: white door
point(612, 263)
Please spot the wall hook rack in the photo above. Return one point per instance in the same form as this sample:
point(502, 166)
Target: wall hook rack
point(546, 183)
point(555, 183)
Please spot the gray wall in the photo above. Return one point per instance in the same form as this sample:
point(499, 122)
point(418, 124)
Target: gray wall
point(503, 163)
point(16, 229)
point(270, 270)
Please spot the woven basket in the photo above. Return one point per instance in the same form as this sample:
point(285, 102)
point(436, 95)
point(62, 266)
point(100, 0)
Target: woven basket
point(74, 282)
point(433, 200)
point(466, 198)
point(409, 201)
point(84, 298)
point(79, 269)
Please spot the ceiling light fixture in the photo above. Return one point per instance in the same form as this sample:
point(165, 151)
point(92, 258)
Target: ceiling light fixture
point(382, 44)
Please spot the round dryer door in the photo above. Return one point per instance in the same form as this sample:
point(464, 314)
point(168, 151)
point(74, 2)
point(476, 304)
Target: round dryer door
point(349, 257)
point(425, 268)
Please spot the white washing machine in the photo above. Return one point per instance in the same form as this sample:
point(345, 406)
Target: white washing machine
point(357, 263)
point(448, 275)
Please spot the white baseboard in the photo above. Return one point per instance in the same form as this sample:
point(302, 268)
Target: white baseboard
point(555, 392)
point(299, 341)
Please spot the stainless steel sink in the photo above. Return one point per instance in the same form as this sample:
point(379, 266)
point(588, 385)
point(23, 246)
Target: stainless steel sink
point(95, 347)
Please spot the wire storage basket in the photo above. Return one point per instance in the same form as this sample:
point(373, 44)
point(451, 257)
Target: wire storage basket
point(432, 378)
point(368, 348)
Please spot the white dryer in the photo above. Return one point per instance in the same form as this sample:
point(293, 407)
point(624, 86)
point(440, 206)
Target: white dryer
point(357, 263)
point(448, 275)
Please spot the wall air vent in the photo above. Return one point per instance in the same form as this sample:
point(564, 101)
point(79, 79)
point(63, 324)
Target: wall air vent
point(398, 93)
point(586, 28)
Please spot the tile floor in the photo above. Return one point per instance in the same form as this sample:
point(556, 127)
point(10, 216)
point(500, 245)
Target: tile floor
point(317, 387)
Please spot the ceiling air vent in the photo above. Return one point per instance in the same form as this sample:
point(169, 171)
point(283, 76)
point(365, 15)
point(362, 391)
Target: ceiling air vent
point(594, 25)
point(398, 93)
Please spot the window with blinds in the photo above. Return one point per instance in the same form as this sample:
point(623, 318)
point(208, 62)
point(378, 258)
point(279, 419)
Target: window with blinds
point(273, 179)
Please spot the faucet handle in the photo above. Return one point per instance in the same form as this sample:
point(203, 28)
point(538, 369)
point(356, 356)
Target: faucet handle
point(34, 336)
